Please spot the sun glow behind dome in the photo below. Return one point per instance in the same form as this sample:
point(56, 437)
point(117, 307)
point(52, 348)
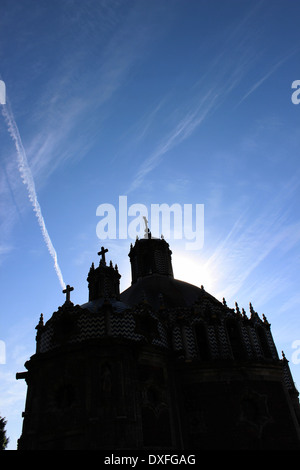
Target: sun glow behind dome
point(190, 268)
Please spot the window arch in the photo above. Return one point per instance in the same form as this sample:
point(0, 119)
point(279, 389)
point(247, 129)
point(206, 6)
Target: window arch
point(202, 341)
point(235, 339)
point(156, 427)
point(263, 341)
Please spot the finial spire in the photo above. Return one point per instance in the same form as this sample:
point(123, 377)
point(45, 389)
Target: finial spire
point(40, 323)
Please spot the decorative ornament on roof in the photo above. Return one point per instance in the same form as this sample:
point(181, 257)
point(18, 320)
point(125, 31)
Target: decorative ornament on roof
point(254, 314)
point(41, 322)
point(237, 310)
point(244, 313)
point(265, 319)
point(92, 268)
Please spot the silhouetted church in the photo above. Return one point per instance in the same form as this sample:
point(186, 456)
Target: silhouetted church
point(163, 365)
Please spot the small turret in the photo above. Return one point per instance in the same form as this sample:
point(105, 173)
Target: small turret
point(104, 281)
point(150, 255)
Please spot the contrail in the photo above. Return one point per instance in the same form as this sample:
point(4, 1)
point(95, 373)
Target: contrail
point(28, 180)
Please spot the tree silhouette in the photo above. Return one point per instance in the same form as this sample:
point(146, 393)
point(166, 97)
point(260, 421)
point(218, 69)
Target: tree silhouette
point(3, 439)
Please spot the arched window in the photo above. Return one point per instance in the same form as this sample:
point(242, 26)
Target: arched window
point(235, 339)
point(261, 334)
point(202, 341)
point(156, 427)
point(146, 264)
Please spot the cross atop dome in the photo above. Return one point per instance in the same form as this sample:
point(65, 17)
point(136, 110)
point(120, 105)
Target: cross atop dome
point(147, 230)
point(102, 254)
point(67, 291)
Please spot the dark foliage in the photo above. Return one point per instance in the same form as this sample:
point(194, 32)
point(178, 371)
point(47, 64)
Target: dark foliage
point(3, 438)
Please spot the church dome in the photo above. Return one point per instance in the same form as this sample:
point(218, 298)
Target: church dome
point(159, 290)
point(152, 278)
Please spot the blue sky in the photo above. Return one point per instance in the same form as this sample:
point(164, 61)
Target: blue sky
point(172, 101)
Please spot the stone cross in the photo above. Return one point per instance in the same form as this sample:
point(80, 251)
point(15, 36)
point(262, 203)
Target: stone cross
point(147, 230)
point(146, 223)
point(67, 291)
point(102, 254)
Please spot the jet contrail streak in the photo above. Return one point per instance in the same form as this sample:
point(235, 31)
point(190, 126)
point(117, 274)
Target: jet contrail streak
point(28, 180)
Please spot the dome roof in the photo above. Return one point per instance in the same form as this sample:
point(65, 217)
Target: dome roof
point(158, 290)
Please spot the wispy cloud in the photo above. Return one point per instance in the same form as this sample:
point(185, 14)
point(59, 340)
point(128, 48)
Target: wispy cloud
point(247, 246)
point(184, 128)
point(267, 75)
point(62, 111)
point(224, 74)
point(28, 180)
